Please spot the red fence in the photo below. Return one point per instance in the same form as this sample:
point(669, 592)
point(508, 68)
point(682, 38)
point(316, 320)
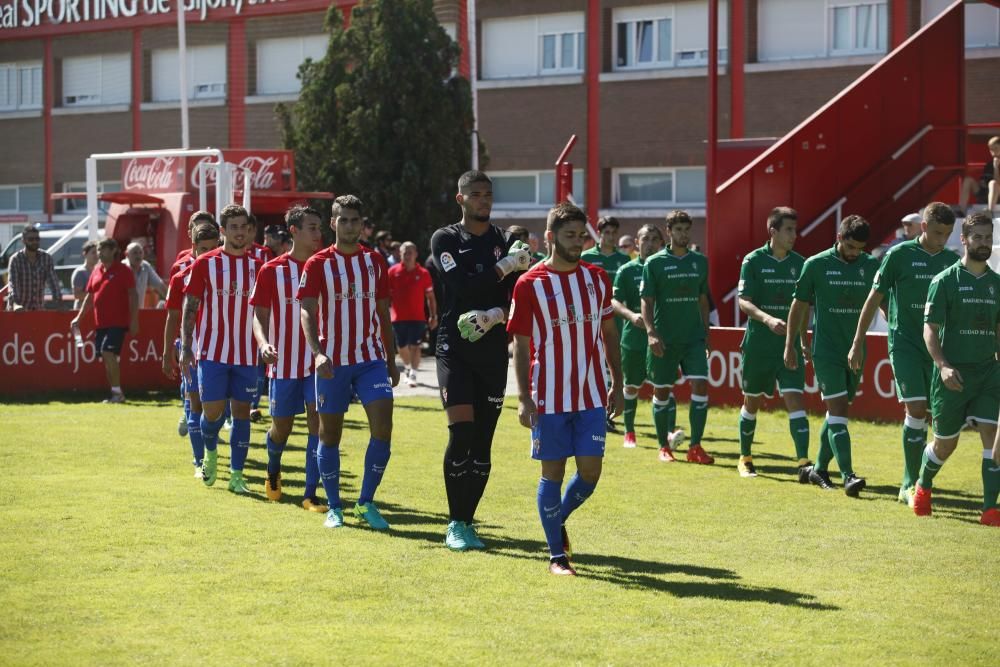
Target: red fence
point(37, 355)
point(881, 148)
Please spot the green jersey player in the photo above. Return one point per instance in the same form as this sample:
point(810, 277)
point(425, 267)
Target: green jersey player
point(675, 311)
point(904, 277)
point(836, 282)
point(767, 283)
point(961, 331)
point(628, 306)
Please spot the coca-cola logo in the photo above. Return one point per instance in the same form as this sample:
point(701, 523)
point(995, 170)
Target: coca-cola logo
point(262, 173)
point(149, 174)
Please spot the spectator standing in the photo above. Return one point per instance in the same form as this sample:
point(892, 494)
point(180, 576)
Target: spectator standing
point(81, 274)
point(30, 269)
point(383, 241)
point(111, 294)
point(410, 286)
point(144, 273)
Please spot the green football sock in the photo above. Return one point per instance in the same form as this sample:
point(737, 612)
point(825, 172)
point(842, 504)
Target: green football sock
point(628, 414)
point(825, 453)
point(671, 415)
point(991, 480)
point(798, 425)
point(840, 442)
point(914, 441)
point(930, 465)
point(748, 425)
point(698, 414)
point(661, 419)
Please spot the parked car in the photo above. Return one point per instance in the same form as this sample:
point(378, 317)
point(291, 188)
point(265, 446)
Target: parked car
point(66, 259)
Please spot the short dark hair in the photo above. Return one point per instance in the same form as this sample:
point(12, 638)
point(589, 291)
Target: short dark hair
point(108, 243)
point(677, 217)
point(296, 215)
point(776, 218)
point(29, 228)
point(562, 213)
point(473, 176)
point(382, 235)
point(518, 232)
point(233, 211)
point(201, 216)
point(975, 220)
point(650, 227)
point(607, 221)
point(205, 231)
point(88, 246)
point(939, 213)
point(272, 230)
point(854, 227)
point(347, 201)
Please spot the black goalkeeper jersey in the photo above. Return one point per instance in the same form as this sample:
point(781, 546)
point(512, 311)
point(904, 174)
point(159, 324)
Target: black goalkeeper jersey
point(465, 264)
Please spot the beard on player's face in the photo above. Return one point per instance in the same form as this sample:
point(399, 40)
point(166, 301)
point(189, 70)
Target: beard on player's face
point(981, 253)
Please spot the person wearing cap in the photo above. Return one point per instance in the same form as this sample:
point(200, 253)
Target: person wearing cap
point(910, 229)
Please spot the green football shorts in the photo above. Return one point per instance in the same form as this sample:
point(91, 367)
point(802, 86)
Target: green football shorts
point(691, 357)
point(763, 370)
point(836, 378)
point(978, 402)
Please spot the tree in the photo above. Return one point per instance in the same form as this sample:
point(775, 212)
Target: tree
point(382, 116)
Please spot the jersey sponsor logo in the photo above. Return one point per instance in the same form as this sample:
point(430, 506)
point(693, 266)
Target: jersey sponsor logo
point(447, 261)
point(918, 264)
point(670, 267)
point(832, 272)
point(767, 270)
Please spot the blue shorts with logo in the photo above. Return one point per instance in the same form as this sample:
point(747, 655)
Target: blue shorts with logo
point(221, 381)
point(287, 398)
point(369, 380)
point(566, 434)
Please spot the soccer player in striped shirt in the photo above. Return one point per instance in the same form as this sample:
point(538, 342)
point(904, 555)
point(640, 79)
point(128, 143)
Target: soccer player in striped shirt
point(184, 257)
point(278, 329)
point(344, 292)
point(564, 334)
point(205, 237)
point(217, 296)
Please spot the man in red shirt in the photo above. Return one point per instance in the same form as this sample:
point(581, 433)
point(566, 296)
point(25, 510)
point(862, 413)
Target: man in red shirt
point(205, 238)
point(111, 294)
point(409, 286)
point(344, 296)
point(564, 335)
point(278, 328)
point(217, 296)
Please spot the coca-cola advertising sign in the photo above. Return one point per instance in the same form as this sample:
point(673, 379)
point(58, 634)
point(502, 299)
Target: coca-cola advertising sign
point(158, 174)
point(268, 170)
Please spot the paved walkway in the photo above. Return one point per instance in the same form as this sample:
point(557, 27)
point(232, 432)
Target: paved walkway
point(427, 383)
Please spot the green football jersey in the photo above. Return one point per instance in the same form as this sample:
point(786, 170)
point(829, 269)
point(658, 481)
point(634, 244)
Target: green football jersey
point(768, 283)
point(676, 283)
point(905, 275)
point(627, 284)
point(967, 308)
point(837, 290)
point(610, 263)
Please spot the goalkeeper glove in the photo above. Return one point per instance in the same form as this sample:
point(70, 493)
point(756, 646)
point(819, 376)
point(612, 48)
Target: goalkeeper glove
point(518, 258)
point(474, 324)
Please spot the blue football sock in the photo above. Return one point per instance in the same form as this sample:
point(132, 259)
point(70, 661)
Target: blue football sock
point(577, 491)
point(376, 459)
point(274, 451)
point(239, 443)
point(210, 432)
point(328, 461)
point(194, 434)
point(312, 467)
point(550, 512)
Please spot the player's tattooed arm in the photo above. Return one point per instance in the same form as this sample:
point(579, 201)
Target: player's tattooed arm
point(527, 412)
point(950, 376)
point(310, 329)
point(261, 320)
point(188, 317)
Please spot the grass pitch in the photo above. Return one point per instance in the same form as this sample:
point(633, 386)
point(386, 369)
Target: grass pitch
point(113, 554)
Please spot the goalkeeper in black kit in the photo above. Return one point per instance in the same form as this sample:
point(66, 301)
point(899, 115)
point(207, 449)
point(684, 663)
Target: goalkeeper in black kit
point(478, 264)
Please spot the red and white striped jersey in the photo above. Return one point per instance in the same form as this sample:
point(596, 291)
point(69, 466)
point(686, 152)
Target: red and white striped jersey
point(175, 294)
point(225, 320)
point(347, 287)
point(261, 253)
point(277, 283)
point(562, 314)
point(180, 264)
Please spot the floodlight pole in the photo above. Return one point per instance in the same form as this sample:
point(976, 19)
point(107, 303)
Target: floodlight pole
point(182, 75)
point(713, 117)
point(473, 76)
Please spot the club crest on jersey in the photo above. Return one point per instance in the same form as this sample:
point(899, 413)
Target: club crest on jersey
point(447, 261)
point(498, 252)
point(861, 272)
point(590, 289)
point(991, 290)
point(302, 281)
point(794, 272)
point(320, 399)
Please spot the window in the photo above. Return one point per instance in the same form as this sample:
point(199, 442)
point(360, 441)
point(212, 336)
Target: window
point(22, 198)
point(81, 204)
point(531, 189)
point(659, 186)
point(278, 62)
point(20, 86)
point(102, 79)
point(530, 46)
point(206, 73)
point(858, 28)
point(665, 36)
point(982, 22)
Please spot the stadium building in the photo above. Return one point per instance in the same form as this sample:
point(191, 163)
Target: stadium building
point(85, 76)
